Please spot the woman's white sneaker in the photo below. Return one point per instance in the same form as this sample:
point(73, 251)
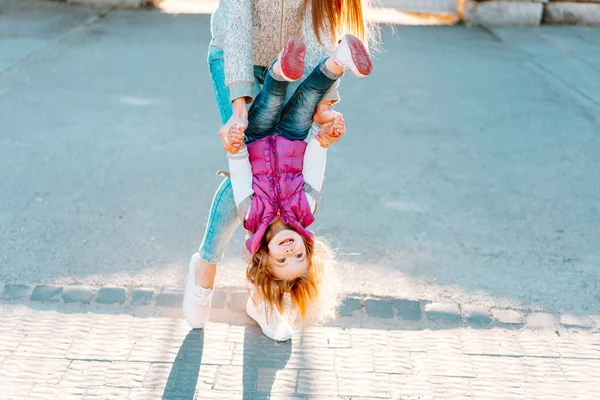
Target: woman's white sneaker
point(275, 328)
point(352, 54)
point(196, 299)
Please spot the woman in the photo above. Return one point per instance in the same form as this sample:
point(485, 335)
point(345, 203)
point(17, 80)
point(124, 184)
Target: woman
point(247, 37)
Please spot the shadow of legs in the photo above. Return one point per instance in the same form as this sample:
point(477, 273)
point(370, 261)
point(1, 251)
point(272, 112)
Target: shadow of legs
point(262, 359)
point(183, 378)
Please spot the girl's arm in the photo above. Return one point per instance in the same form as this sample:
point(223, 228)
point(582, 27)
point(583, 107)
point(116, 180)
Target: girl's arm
point(315, 160)
point(241, 176)
point(318, 51)
point(237, 48)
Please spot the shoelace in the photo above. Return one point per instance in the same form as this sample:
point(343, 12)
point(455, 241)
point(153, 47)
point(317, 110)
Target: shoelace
point(201, 299)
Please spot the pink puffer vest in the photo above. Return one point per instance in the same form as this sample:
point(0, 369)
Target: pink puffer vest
point(278, 188)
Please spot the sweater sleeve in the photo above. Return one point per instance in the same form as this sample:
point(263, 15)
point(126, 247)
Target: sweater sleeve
point(317, 51)
point(313, 171)
point(237, 48)
point(241, 176)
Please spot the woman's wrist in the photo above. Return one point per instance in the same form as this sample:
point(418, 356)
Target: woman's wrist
point(240, 109)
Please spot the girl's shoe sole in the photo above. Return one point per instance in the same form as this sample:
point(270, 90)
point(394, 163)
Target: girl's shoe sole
point(292, 59)
point(360, 56)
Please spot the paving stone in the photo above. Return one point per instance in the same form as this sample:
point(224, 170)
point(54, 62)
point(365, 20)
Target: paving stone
point(232, 378)
point(14, 291)
point(46, 293)
point(277, 381)
point(36, 346)
point(580, 370)
point(349, 305)
point(411, 341)
point(378, 308)
point(354, 360)
point(45, 392)
point(448, 312)
point(171, 299)
point(538, 343)
point(502, 368)
point(32, 371)
point(369, 338)
point(409, 310)
point(311, 358)
point(413, 387)
point(326, 337)
point(509, 317)
point(451, 388)
point(142, 297)
point(542, 321)
point(151, 350)
point(110, 295)
point(312, 382)
point(126, 374)
point(219, 299)
point(392, 361)
point(496, 389)
point(106, 393)
point(576, 321)
point(364, 384)
point(503, 13)
point(572, 13)
point(541, 369)
point(86, 373)
point(238, 301)
point(477, 316)
point(578, 345)
point(15, 391)
point(443, 364)
point(78, 295)
point(494, 342)
point(104, 348)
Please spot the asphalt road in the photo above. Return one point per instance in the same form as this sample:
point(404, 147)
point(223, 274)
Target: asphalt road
point(469, 171)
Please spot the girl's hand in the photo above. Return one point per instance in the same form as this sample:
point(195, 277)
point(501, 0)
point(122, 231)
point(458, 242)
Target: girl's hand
point(331, 132)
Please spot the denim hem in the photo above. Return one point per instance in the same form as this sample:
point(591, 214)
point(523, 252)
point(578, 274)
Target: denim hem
point(328, 73)
point(208, 259)
point(273, 75)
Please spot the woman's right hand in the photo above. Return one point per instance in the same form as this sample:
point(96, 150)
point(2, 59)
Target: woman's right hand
point(239, 118)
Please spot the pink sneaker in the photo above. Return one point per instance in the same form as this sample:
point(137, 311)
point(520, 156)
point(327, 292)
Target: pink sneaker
point(352, 54)
point(291, 59)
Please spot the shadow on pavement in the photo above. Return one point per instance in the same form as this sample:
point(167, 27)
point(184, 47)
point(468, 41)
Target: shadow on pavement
point(185, 372)
point(269, 355)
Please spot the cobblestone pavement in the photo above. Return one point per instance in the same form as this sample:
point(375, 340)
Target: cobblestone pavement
point(60, 350)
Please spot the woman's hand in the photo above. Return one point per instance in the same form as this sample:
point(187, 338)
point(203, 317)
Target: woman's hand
point(239, 118)
point(331, 132)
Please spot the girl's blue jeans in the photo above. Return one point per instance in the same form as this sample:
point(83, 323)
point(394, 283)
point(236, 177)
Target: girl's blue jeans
point(270, 112)
point(298, 112)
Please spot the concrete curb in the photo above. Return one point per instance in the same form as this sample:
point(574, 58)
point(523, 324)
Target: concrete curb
point(418, 314)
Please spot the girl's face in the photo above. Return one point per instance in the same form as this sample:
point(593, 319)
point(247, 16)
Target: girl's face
point(287, 254)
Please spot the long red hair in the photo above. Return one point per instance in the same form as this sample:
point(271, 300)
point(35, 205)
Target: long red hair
point(339, 16)
point(313, 295)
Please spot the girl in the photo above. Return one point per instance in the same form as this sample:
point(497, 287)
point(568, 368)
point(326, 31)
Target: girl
point(276, 182)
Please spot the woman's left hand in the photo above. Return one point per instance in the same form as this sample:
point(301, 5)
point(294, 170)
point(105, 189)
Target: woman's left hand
point(328, 134)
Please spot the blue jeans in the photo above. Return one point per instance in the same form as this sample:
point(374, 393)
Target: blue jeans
point(222, 219)
point(293, 119)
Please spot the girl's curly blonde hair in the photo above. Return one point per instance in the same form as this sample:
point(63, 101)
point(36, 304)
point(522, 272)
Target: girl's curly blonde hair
point(313, 295)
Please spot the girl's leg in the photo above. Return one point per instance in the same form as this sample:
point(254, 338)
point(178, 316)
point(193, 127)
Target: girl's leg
point(265, 112)
point(297, 114)
point(266, 108)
